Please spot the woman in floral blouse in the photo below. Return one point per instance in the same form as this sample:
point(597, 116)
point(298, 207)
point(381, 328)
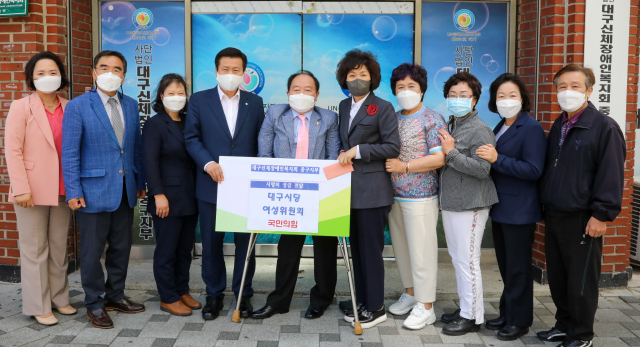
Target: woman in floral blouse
point(414, 215)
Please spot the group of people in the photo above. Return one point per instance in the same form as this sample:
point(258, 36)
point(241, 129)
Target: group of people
point(90, 155)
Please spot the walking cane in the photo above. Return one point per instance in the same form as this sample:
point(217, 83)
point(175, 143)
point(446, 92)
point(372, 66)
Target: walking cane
point(357, 328)
point(252, 242)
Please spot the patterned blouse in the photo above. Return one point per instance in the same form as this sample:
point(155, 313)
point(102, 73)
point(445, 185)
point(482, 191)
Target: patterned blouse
point(418, 138)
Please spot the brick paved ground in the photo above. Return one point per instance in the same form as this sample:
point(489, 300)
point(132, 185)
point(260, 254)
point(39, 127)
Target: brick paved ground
point(618, 324)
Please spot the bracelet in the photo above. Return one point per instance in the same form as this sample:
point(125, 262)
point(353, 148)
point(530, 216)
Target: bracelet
point(406, 167)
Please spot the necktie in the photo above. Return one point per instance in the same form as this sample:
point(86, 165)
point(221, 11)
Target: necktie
point(302, 149)
point(116, 121)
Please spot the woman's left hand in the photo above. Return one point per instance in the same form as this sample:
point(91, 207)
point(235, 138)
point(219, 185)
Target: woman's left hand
point(395, 165)
point(488, 153)
point(447, 141)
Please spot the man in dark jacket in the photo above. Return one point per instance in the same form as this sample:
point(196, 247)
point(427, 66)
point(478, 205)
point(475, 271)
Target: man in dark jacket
point(581, 190)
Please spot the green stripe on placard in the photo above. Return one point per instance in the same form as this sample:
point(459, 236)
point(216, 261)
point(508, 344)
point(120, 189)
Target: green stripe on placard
point(227, 221)
point(335, 205)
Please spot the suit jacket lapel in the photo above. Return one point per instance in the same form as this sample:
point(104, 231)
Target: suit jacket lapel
point(344, 122)
point(101, 113)
point(313, 125)
point(512, 131)
point(218, 112)
point(40, 115)
point(172, 126)
point(243, 108)
point(362, 112)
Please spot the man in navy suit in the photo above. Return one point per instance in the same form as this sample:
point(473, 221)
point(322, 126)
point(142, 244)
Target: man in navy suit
point(223, 121)
point(103, 176)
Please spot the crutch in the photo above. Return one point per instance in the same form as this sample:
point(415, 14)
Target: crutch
point(357, 328)
point(252, 243)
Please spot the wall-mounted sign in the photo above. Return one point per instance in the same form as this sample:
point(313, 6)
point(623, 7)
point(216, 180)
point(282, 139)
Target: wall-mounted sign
point(606, 51)
point(11, 8)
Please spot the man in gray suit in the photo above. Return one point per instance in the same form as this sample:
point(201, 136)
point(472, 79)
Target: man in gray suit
point(302, 131)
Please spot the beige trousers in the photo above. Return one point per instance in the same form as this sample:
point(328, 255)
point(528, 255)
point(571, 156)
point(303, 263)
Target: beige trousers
point(412, 226)
point(43, 232)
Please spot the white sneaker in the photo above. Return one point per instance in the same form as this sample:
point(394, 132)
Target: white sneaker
point(420, 317)
point(404, 305)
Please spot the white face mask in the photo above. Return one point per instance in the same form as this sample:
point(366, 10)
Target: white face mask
point(301, 103)
point(229, 82)
point(174, 103)
point(48, 84)
point(570, 100)
point(109, 82)
point(509, 108)
point(408, 99)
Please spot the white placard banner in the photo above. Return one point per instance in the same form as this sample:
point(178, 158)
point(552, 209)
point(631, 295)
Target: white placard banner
point(606, 51)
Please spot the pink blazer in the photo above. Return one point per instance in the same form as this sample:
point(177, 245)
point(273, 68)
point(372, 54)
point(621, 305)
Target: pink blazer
point(32, 159)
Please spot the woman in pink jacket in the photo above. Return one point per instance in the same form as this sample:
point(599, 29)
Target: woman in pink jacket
point(33, 144)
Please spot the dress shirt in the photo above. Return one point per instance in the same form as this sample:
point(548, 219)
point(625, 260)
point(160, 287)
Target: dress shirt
point(297, 123)
point(355, 107)
point(502, 131)
point(105, 99)
point(230, 107)
point(568, 124)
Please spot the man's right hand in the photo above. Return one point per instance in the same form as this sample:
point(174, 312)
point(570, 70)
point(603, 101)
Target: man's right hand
point(75, 204)
point(215, 171)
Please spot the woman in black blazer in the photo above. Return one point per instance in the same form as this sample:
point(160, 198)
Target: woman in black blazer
point(369, 136)
point(170, 175)
point(516, 164)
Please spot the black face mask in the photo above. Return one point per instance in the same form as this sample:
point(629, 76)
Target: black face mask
point(359, 87)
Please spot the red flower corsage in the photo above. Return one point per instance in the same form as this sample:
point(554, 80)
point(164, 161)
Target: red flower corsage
point(372, 109)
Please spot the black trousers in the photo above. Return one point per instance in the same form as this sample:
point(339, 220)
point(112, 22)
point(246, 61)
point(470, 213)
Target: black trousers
point(175, 237)
point(214, 271)
point(367, 243)
point(513, 244)
point(573, 265)
point(324, 270)
point(96, 230)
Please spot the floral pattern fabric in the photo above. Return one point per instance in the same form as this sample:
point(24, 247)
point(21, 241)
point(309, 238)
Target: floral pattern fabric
point(418, 138)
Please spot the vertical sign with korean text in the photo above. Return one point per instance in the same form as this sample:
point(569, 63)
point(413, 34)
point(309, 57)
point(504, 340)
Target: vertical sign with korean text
point(150, 35)
point(464, 36)
point(606, 51)
point(11, 8)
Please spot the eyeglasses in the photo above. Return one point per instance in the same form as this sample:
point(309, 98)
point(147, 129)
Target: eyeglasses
point(462, 96)
point(105, 69)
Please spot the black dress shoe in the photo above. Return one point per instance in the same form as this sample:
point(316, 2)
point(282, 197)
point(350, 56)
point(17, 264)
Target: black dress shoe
point(576, 343)
point(313, 313)
point(496, 324)
point(552, 335)
point(510, 333)
point(267, 312)
point(461, 326)
point(212, 308)
point(246, 309)
point(347, 307)
point(450, 317)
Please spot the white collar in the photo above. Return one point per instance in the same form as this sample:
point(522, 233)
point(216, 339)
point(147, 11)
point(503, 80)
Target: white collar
point(359, 103)
point(222, 94)
point(105, 98)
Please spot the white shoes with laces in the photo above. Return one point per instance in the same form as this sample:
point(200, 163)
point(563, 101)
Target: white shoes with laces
point(420, 317)
point(403, 306)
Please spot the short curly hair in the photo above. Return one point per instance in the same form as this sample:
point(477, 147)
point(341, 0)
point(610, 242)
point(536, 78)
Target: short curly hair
point(31, 66)
point(416, 72)
point(353, 60)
